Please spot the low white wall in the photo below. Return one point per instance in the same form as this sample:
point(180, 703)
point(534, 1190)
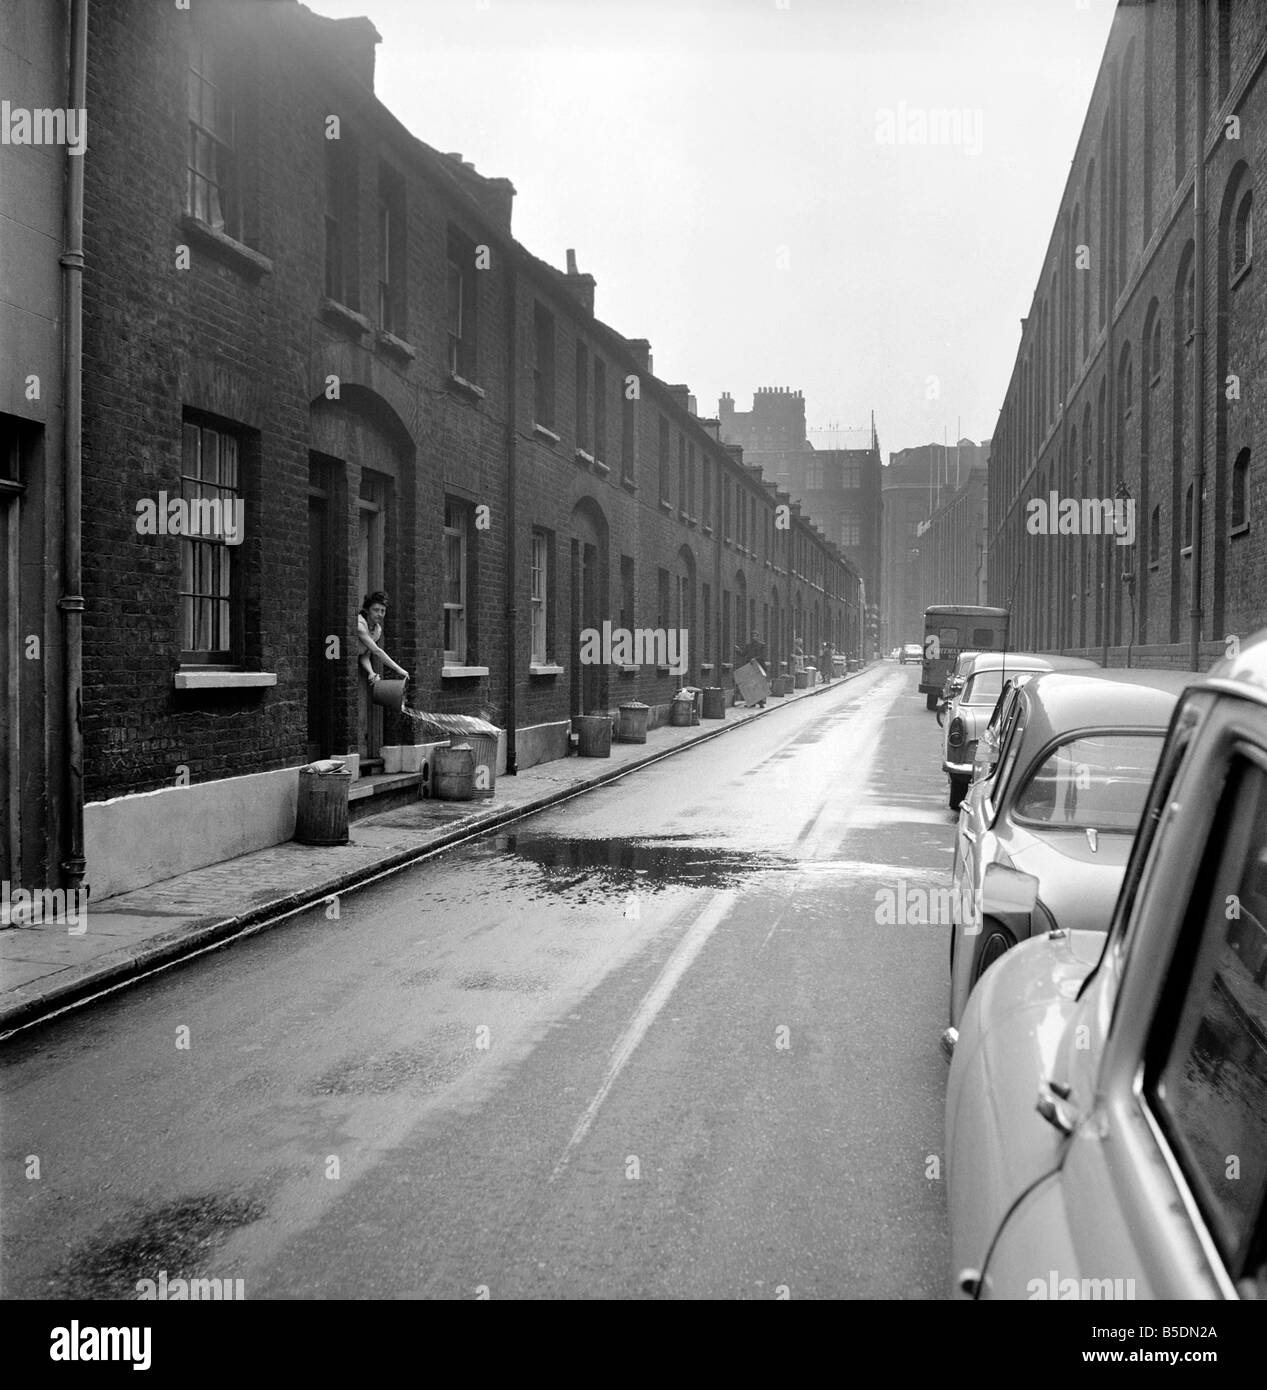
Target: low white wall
point(132, 841)
point(539, 743)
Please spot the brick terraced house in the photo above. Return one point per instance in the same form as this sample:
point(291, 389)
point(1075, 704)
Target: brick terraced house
point(1140, 374)
point(316, 363)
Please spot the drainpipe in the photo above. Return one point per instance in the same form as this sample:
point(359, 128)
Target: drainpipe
point(71, 602)
point(512, 460)
point(1198, 361)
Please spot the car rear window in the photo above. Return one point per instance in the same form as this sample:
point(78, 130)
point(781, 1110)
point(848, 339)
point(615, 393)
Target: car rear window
point(983, 636)
point(1097, 782)
point(983, 689)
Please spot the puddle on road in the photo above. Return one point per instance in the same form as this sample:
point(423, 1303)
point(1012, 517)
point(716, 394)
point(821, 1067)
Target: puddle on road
point(622, 864)
point(178, 1237)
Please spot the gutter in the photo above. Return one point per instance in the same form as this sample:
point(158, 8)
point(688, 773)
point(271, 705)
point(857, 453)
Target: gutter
point(1198, 364)
point(71, 602)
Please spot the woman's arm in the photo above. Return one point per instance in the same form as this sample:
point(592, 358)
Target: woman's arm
point(371, 648)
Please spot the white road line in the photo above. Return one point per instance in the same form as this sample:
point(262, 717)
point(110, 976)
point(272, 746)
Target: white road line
point(657, 996)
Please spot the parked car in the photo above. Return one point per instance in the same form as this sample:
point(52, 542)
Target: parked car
point(969, 708)
point(911, 651)
point(1061, 807)
point(1106, 1113)
point(955, 678)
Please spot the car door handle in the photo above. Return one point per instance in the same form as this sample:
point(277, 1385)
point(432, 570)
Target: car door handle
point(1053, 1105)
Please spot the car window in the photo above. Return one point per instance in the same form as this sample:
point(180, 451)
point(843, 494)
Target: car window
point(1010, 747)
point(1209, 1086)
point(983, 689)
point(948, 637)
point(983, 637)
point(1098, 781)
point(1139, 867)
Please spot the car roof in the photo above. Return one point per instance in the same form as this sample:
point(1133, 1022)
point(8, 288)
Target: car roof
point(1244, 674)
point(1030, 661)
point(1060, 702)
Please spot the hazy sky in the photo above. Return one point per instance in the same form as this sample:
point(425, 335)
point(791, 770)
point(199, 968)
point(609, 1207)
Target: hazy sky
point(746, 178)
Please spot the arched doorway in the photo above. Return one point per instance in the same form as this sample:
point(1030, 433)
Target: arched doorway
point(685, 612)
point(589, 604)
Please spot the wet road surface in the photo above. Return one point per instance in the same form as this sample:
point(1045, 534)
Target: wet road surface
point(652, 1043)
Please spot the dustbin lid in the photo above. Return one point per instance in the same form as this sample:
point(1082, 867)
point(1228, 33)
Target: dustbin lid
point(634, 704)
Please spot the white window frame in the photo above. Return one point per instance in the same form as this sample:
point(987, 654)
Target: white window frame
point(456, 655)
point(539, 603)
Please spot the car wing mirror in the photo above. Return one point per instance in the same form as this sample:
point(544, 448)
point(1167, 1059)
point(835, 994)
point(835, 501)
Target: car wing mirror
point(1008, 891)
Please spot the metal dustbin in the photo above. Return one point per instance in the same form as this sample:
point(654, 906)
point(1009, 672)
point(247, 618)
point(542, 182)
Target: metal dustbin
point(593, 735)
point(484, 747)
point(454, 773)
point(321, 811)
point(802, 680)
point(714, 702)
point(682, 709)
point(633, 722)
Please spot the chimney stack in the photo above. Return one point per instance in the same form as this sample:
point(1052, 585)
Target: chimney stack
point(582, 286)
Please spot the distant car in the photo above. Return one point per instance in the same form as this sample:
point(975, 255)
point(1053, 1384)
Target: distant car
point(912, 651)
point(1060, 809)
point(968, 712)
point(1106, 1111)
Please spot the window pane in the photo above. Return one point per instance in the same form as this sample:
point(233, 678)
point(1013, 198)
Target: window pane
point(1100, 781)
point(1212, 1088)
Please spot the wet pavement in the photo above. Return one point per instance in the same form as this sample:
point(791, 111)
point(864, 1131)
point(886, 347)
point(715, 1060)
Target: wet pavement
point(653, 1042)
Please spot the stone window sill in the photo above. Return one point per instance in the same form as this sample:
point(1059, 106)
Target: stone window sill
point(601, 467)
point(343, 317)
point(629, 484)
point(1239, 530)
point(1240, 275)
point(546, 433)
point(1185, 551)
point(196, 678)
point(460, 385)
point(544, 669)
point(666, 507)
point(706, 529)
point(453, 673)
point(582, 456)
point(398, 347)
point(230, 249)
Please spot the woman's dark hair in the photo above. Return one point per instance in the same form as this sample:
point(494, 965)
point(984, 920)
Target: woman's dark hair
point(378, 596)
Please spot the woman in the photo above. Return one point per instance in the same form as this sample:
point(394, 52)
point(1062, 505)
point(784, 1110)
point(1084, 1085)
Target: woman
point(369, 631)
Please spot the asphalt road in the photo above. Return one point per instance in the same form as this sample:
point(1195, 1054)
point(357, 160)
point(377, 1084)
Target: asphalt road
point(656, 1043)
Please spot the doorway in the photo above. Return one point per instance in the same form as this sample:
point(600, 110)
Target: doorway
point(323, 622)
point(371, 505)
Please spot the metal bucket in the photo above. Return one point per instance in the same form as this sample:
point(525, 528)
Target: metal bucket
point(453, 773)
point(389, 694)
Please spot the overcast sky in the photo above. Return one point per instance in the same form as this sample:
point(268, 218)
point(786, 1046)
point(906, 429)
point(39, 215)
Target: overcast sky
point(747, 183)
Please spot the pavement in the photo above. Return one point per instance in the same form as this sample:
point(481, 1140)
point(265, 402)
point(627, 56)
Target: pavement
point(45, 969)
